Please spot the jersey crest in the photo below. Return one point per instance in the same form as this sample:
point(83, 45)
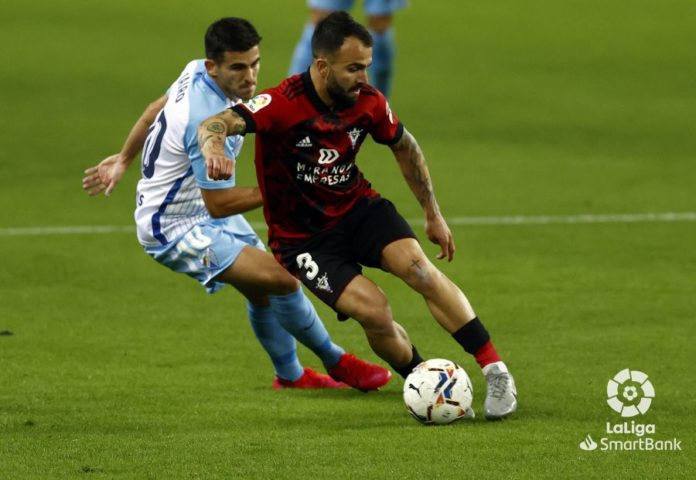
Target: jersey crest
point(354, 135)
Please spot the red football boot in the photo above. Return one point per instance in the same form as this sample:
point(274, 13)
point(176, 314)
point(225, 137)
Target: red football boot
point(359, 374)
point(309, 379)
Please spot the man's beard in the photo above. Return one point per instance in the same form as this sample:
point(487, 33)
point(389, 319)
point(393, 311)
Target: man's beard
point(339, 95)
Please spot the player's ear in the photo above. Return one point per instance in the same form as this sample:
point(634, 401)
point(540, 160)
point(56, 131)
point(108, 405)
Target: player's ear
point(211, 67)
point(322, 65)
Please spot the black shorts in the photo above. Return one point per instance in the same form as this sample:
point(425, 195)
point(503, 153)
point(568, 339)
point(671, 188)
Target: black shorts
point(327, 262)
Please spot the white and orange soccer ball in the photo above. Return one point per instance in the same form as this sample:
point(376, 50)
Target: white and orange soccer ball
point(438, 391)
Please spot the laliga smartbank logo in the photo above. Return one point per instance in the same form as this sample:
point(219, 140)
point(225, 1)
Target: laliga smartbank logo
point(630, 393)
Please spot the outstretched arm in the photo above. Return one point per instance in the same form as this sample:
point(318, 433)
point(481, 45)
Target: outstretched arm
point(211, 140)
point(104, 176)
point(415, 170)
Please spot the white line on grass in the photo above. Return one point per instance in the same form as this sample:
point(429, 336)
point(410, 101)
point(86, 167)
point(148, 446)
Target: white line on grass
point(66, 230)
point(600, 218)
point(507, 220)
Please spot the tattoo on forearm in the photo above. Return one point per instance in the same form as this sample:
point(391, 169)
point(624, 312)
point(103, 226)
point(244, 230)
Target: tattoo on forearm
point(216, 127)
point(416, 264)
point(417, 169)
point(212, 131)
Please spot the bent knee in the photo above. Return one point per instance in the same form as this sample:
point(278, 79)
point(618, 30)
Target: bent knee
point(366, 302)
point(375, 315)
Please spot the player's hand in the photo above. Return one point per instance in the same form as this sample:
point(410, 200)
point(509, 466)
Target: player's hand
point(439, 233)
point(105, 176)
point(219, 166)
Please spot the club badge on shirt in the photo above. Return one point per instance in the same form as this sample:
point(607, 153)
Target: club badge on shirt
point(354, 135)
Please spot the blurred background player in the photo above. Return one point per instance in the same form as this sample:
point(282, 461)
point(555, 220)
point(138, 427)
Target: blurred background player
point(379, 15)
point(190, 223)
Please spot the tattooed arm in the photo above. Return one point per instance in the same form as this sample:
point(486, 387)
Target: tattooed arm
point(414, 169)
point(211, 139)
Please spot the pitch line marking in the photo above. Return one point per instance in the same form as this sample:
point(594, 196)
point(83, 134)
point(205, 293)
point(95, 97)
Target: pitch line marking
point(664, 217)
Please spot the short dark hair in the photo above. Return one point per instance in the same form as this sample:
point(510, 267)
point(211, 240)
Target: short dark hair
point(332, 31)
point(230, 34)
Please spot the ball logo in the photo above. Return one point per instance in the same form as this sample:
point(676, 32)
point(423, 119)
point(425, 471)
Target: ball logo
point(630, 393)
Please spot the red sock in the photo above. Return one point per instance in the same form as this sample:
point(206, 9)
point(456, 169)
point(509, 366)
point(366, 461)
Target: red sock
point(487, 355)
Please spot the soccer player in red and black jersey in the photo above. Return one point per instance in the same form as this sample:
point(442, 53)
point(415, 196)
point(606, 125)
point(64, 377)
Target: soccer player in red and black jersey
point(326, 221)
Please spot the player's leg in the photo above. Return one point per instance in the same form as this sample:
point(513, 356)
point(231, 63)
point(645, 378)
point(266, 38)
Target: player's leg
point(450, 307)
point(448, 304)
point(365, 302)
point(318, 10)
point(191, 254)
point(293, 310)
point(386, 240)
point(297, 315)
point(254, 270)
point(205, 253)
point(302, 54)
point(383, 52)
point(329, 266)
point(281, 346)
point(276, 341)
point(380, 15)
point(324, 265)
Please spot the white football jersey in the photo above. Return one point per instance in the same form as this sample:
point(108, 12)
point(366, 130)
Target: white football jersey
point(168, 199)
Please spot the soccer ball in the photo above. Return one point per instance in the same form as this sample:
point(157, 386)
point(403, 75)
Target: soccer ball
point(438, 391)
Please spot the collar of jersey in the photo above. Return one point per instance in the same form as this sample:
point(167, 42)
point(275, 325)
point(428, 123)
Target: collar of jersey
point(313, 95)
point(214, 86)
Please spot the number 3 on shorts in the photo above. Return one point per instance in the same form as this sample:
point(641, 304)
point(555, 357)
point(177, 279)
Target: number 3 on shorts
point(304, 260)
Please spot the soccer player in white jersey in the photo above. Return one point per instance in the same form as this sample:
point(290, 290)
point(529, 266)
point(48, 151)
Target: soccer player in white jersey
point(193, 225)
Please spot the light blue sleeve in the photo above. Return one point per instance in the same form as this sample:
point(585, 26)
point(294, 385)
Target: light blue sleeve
point(198, 162)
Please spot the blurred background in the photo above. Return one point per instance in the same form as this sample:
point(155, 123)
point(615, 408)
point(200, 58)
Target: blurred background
point(537, 107)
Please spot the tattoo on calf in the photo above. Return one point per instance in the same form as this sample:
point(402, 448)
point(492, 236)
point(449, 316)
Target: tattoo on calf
point(416, 264)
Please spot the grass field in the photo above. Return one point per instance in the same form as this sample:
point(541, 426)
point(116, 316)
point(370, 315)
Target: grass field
point(117, 368)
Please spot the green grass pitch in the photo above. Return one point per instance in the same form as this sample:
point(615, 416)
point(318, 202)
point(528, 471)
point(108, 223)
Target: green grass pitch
point(120, 369)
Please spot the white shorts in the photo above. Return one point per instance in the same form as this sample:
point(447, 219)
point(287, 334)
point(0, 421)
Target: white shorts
point(204, 252)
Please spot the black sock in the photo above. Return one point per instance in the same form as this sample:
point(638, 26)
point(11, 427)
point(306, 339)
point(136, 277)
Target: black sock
point(415, 360)
point(472, 336)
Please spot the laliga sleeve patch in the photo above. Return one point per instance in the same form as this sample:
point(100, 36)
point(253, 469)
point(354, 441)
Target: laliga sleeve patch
point(258, 102)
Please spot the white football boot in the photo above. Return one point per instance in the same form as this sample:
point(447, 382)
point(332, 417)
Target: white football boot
point(501, 394)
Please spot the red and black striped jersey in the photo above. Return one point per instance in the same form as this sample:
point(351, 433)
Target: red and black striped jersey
point(305, 154)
